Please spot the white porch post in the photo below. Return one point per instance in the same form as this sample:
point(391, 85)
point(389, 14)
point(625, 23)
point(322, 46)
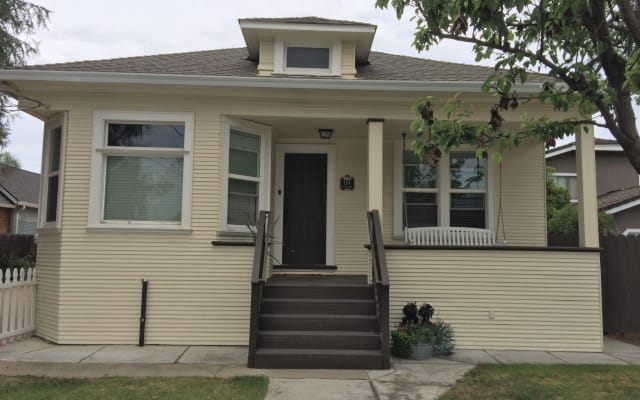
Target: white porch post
point(587, 198)
point(375, 167)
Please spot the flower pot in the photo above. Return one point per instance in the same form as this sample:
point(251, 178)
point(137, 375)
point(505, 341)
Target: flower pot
point(422, 351)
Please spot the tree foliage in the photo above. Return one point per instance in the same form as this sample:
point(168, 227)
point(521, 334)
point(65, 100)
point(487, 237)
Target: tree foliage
point(587, 51)
point(562, 216)
point(18, 22)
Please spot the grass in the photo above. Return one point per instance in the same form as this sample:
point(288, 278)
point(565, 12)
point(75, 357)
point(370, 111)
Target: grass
point(34, 388)
point(554, 382)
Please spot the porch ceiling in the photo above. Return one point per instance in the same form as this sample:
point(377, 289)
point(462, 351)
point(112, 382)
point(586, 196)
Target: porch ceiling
point(307, 128)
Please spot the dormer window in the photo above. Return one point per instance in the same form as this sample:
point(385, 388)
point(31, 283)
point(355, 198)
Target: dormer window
point(308, 57)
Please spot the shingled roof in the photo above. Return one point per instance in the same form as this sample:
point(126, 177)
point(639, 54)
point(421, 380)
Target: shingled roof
point(20, 186)
point(617, 198)
point(233, 62)
point(305, 20)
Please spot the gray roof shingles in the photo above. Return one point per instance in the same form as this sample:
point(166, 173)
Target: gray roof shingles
point(618, 197)
point(21, 184)
point(233, 62)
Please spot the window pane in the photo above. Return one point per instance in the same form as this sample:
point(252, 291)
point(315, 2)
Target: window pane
point(307, 57)
point(143, 189)
point(146, 135)
point(467, 171)
point(420, 176)
point(467, 210)
point(242, 202)
point(54, 149)
point(244, 154)
point(52, 199)
point(421, 209)
point(570, 183)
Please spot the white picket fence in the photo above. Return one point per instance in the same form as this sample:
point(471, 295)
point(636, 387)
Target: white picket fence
point(17, 303)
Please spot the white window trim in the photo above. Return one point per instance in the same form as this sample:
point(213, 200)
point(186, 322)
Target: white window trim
point(59, 120)
point(264, 131)
point(443, 191)
point(280, 57)
point(631, 231)
point(98, 167)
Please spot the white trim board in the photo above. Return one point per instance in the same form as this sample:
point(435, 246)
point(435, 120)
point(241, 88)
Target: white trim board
point(631, 231)
point(623, 207)
point(330, 151)
point(599, 147)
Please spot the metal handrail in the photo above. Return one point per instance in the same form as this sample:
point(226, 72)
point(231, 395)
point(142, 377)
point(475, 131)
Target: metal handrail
point(258, 278)
point(380, 277)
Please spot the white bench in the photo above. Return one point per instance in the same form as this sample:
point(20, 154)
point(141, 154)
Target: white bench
point(449, 236)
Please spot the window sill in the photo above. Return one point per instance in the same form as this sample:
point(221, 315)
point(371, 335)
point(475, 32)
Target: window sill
point(235, 234)
point(139, 228)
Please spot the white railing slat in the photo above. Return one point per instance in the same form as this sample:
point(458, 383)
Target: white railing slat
point(17, 302)
point(449, 236)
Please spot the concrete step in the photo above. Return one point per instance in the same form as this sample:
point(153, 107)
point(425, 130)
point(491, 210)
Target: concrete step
point(318, 306)
point(319, 340)
point(318, 322)
point(319, 358)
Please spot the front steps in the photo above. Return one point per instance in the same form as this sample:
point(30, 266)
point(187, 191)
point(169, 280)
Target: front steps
point(318, 322)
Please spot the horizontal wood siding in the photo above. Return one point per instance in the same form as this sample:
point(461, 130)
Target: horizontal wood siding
point(521, 300)
point(48, 287)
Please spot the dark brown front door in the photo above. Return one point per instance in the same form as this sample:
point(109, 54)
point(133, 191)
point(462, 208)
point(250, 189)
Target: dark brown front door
point(305, 209)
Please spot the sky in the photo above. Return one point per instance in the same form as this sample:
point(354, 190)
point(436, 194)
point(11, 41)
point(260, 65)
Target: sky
point(91, 29)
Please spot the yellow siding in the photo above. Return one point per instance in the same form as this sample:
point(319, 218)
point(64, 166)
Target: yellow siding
point(348, 60)
point(265, 67)
point(89, 283)
point(539, 300)
point(47, 290)
point(523, 196)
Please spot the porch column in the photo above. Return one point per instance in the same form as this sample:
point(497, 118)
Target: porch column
point(375, 146)
point(587, 198)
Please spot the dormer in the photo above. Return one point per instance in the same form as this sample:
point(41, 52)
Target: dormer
point(307, 46)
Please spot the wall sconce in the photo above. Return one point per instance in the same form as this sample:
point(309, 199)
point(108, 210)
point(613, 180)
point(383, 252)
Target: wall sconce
point(325, 133)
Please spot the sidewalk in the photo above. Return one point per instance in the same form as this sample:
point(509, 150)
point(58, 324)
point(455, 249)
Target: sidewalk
point(411, 379)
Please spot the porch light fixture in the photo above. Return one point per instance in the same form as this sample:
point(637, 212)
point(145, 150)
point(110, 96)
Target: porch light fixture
point(325, 133)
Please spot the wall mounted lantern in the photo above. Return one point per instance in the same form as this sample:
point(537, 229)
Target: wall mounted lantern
point(325, 133)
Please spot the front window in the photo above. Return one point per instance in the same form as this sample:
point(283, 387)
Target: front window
point(307, 57)
point(144, 174)
point(247, 150)
point(452, 193)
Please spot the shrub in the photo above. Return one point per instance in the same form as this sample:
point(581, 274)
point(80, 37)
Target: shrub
point(445, 338)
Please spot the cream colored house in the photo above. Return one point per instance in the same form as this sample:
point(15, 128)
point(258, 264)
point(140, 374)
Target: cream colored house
point(155, 166)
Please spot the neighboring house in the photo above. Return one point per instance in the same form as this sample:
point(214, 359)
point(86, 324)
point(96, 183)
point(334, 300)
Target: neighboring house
point(617, 182)
point(19, 191)
point(148, 161)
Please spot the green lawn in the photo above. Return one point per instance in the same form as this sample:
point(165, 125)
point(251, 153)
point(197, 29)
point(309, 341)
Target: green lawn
point(555, 382)
point(34, 388)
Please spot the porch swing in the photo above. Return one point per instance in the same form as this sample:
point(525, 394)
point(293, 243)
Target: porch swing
point(453, 236)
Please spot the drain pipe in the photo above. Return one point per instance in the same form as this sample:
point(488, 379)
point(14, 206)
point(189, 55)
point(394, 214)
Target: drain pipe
point(143, 311)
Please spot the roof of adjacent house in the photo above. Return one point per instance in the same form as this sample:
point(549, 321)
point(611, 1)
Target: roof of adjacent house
point(233, 62)
point(617, 198)
point(19, 186)
point(305, 20)
point(601, 144)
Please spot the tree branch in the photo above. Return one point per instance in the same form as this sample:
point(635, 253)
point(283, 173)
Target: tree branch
point(631, 19)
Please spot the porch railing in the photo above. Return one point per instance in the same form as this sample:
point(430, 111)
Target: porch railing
point(380, 279)
point(258, 278)
point(17, 302)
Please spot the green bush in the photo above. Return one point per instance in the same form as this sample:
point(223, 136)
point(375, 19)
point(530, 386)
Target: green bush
point(445, 338)
point(406, 337)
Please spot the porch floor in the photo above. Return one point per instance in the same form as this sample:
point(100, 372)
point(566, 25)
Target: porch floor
point(316, 280)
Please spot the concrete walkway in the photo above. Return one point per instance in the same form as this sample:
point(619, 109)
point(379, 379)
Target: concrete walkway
point(405, 380)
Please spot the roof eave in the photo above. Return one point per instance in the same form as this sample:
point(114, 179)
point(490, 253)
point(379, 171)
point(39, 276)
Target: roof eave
point(249, 82)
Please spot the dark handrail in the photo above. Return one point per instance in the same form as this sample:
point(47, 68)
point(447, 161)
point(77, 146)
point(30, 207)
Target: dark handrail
point(380, 277)
point(257, 283)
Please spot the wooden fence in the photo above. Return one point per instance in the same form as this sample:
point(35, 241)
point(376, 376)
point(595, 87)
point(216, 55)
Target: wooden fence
point(17, 303)
point(620, 263)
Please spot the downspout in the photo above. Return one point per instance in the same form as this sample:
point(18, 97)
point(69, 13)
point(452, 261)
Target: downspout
point(14, 228)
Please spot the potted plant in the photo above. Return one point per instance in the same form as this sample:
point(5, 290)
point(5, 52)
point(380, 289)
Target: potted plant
point(418, 338)
point(414, 337)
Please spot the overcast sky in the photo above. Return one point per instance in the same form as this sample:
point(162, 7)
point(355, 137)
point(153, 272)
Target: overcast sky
point(91, 29)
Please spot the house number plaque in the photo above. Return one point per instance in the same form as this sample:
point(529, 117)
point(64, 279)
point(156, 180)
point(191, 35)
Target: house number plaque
point(347, 183)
